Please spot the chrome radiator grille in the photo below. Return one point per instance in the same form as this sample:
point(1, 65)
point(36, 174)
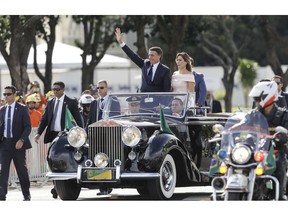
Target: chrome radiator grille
point(106, 140)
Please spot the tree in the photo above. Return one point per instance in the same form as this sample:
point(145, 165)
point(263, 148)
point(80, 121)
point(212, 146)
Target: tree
point(47, 31)
point(221, 41)
point(248, 72)
point(272, 40)
point(172, 32)
point(99, 34)
point(17, 34)
point(137, 24)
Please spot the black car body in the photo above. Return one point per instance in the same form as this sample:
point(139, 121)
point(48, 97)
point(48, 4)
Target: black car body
point(149, 150)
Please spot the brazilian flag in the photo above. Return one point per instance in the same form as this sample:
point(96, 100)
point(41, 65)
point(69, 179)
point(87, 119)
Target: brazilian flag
point(215, 162)
point(164, 127)
point(69, 119)
point(270, 163)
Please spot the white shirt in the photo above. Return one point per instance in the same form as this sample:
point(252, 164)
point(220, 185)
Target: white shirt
point(153, 70)
point(102, 102)
point(57, 126)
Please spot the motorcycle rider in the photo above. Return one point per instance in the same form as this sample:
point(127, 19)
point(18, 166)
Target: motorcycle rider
point(264, 95)
point(85, 102)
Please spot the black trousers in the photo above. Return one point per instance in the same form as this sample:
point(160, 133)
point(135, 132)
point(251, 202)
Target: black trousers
point(8, 152)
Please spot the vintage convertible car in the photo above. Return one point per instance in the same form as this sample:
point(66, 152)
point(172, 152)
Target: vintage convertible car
point(149, 149)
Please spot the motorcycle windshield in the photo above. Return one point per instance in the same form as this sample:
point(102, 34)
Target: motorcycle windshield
point(248, 129)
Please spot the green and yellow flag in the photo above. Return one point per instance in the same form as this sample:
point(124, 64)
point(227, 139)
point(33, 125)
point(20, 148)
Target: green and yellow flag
point(164, 127)
point(69, 119)
point(215, 162)
point(270, 163)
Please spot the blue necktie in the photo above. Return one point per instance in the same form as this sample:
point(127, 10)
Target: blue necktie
point(9, 123)
point(150, 73)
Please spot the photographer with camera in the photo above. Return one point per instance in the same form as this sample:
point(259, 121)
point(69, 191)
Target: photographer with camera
point(34, 88)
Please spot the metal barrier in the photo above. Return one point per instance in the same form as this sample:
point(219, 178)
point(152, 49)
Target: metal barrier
point(36, 161)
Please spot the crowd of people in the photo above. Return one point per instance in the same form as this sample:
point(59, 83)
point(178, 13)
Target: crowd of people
point(47, 112)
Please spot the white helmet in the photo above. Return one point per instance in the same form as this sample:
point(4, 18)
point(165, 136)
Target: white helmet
point(86, 99)
point(265, 92)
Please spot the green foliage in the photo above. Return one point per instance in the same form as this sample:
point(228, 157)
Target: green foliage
point(248, 72)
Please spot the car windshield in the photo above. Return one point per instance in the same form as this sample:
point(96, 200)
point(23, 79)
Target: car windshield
point(173, 104)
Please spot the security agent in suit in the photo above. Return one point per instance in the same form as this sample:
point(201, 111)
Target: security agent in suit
point(54, 127)
point(200, 89)
point(279, 82)
point(46, 120)
point(14, 142)
point(97, 106)
point(195, 130)
point(215, 105)
point(160, 80)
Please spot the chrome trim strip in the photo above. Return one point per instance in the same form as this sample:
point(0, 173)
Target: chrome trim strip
point(61, 176)
point(140, 175)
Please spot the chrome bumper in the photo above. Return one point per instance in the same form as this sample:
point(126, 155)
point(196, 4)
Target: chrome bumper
point(119, 176)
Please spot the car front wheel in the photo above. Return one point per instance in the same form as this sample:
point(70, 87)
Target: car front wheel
point(163, 188)
point(67, 189)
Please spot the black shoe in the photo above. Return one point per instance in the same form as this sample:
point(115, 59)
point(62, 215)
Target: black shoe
point(54, 193)
point(27, 198)
point(2, 199)
point(104, 191)
point(283, 198)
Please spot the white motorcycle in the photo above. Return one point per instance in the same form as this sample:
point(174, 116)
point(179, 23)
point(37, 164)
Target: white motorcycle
point(246, 160)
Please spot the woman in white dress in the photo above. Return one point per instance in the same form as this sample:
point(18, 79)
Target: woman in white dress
point(183, 80)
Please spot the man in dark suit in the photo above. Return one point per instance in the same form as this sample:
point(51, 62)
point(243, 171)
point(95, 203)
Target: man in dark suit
point(200, 89)
point(97, 106)
point(279, 81)
point(53, 119)
point(215, 105)
point(156, 77)
point(15, 128)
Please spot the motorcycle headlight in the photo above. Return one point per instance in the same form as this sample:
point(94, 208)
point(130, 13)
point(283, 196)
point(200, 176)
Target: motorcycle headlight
point(76, 137)
point(131, 136)
point(101, 160)
point(241, 154)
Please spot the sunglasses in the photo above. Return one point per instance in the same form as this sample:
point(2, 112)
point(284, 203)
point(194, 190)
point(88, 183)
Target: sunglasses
point(56, 89)
point(102, 87)
point(257, 99)
point(7, 94)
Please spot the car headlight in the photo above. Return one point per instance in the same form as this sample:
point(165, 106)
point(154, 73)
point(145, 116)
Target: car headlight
point(101, 160)
point(241, 154)
point(131, 136)
point(76, 137)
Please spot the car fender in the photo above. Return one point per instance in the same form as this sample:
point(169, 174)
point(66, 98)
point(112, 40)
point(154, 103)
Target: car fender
point(159, 145)
point(60, 156)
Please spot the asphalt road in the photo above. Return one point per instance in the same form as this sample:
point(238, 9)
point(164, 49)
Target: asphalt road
point(41, 192)
point(127, 201)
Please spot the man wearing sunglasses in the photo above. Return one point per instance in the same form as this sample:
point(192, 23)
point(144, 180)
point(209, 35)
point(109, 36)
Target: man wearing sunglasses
point(279, 81)
point(15, 128)
point(54, 116)
point(97, 106)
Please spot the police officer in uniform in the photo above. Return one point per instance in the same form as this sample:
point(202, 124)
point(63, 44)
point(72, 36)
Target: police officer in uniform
point(133, 104)
point(264, 95)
